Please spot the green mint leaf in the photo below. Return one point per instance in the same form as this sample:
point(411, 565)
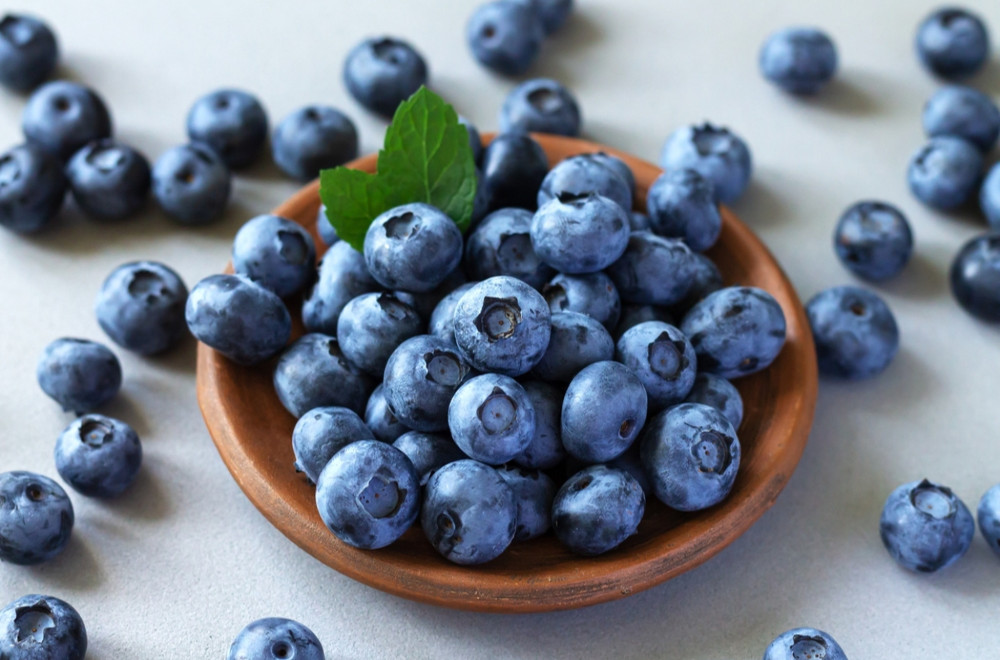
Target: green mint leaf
point(353, 199)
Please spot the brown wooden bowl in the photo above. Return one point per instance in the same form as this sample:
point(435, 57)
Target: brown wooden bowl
point(252, 432)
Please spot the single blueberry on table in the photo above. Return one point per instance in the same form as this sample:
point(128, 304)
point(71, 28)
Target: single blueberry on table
point(275, 638)
point(800, 60)
point(577, 341)
point(988, 515)
point(469, 512)
point(873, 240)
point(192, 184)
point(109, 180)
point(412, 247)
point(597, 509)
point(372, 326)
point(276, 253)
point(501, 245)
point(681, 204)
point(38, 627)
point(237, 317)
point(513, 168)
point(804, 644)
point(545, 449)
point(653, 270)
point(428, 452)
point(925, 527)
point(580, 234)
point(533, 494)
point(321, 433)
point(342, 277)
point(975, 277)
point(313, 372)
point(855, 332)
point(663, 359)
point(719, 393)
point(963, 112)
point(593, 294)
point(953, 42)
point(29, 52)
point(141, 307)
point(491, 418)
point(98, 456)
point(324, 228)
point(232, 122)
point(989, 197)
point(552, 12)
point(603, 411)
point(505, 36)
point(79, 374)
point(541, 105)
point(944, 173)
point(442, 321)
point(421, 377)
point(380, 73)
point(36, 518)
point(583, 175)
point(714, 152)
point(705, 279)
point(61, 117)
point(32, 188)
point(311, 139)
point(633, 315)
point(380, 418)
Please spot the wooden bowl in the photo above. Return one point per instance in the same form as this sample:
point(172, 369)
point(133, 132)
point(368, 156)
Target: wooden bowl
point(252, 432)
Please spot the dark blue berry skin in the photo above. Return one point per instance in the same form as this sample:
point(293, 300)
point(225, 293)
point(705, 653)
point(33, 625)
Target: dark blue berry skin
point(313, 372)
point(580, 176)
point(469, 513)
point(975, 277)
point(109, 180)
point(372, 326)
point(32, 188)
point(37, 627)
point(953, 43)
point(324, 228)
point(799, 60)
point(691, 454)
point(239, 318)
point(719, 393)
point(232, 122)
point(639, 222)
point(513, 168)
point(381, 419)
point(275, 637)
point(36, 518)
point(989, 198)
point(988, 516)
point(663, 359)
point(541, 105)
point(714, 152)
point(553, 13)
point(80, 375)
point(873, 240)
point(276, 253)
point(603, 411)
point(342, 277)
point(804, 643)
point(425, 302)
point(593, 294)
point(311, 139)
point(580, 234)
point(61, 117)
point(735, 331)
point(141, 307)
point(501, 245)
point(631, 463)
point(421, 377)
point(633, 315)
point(597, 509)
point(505, 36)
point(491, 418)
point(412, 247)
point(705, 279)
point(618, 165)
point(963, 112)
point(98, 456)
point(681, 204)
point(428, 452)
point(442, 321)
point(28, 52)
point(577, 340)
point(502, 325)
point(368, 494)
point(192, 184)
point(925, 526)
point(475, 140)
point(653, 270)
point(855, 332)
point(545, 450)
point(944, 173)
point(382, 72)
point(533, 494)
point(321, 433)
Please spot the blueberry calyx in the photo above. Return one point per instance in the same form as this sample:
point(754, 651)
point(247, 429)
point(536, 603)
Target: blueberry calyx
point(95, 432)
point(497, 412)
point(32, 622)
point(499, 318)
point(402, 226)
point(712, 452)
point(443, 368)
point(666, 357)
point(932, 500)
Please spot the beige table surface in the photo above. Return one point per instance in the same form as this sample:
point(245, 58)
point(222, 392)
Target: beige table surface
point(177, 566)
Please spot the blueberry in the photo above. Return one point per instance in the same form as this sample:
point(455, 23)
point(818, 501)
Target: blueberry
point(855, 332)
point(805, 644)
point(597, 509)
point(78, 374)
point(109, 180)
point(945, 172)
point(513, 168)
point(421, 377)
point(98, 456)
point(192, 184)
point(412, 247)
point(442, 321)
point(619, 166)
point(593, 294)
point(491, 418)
point(989, 197)
point(577, 340)
point(141, 307)
point(237, 317)
point(631, 463)
point(321, 433)
point(953, 42)
point(544, 450)
point(963, 112)
point(603, 411)
point(324, 228)
point(719, 393)
point(276, 253)
point(274, 638)
point(469, 512)
point(663, 359)
point(501, 245)
point(579, 234)
point(428, 452)
point(653, 270)
point(232, 122)
point(372, 326)
point(342, 277)
point(705, 279)
point(975, 277)
point(311, 139)
point(381, 73)
point(925, 527)
point(553, 13)
point(580, 176)
point(873, 240)
point(28, 52)
point(989, 518)
point(541, 105)
point(505, 36)
point(681, 204)
point(633, 315)
point(639, 222)
point(36, 518)
point(715, 153)
point(799, 60)
point(691, 454)
point(37, 627)
point(502, 325)
point(313, 372)
point(380, 419)
point(61, 117)
point(735, 331)
point(32, 188)
point(533, 494)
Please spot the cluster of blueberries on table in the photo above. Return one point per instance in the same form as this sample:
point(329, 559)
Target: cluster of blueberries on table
point(566, 359)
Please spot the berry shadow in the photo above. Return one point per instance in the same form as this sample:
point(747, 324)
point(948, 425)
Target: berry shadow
point(74, 569)
point(919, 279)
point(761, 205)
point(181, 359)
point(147, 499)
point(851, 93)
point(124, 408)
point(564, 53)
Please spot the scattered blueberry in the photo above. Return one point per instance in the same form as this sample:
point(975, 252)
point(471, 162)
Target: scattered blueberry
point(989, 197)
point(276, 253)
point(545, 448)
point(61, 117)
point(37, 627)
point(491, 418)
point(719, 393)
point(541, 105)
point(953, 42)
point(98, 456)
point(975, 277)
point(715, 153)
point(370, 328)
point(421, 377)
point(29, 52)
point(963, 112)
point(925, 527)
point(576, 234)
point(32, 188)
point(381, 73)
point(428, 452)
point(597, 509)
point(577, 340)
point(533, 494)
point(192, 184)
point(232, 122)
point(873, 240)
point(804, 644)
point(603, 411)
point(855, 332)
point(109, 180)
point(36, 518)
point(380, 419)
point(412, 247)
point(311, 139)
point(275, 639)
point(342, 277)
point(593, 294)
point(324, 228)
point(681, 204)
point(513, 168)
point(653, 270)
point(501, 245)
point(80, 375)
point(663, 359)
point(944, 173)
point(321, 433)
point(989, 518)
point(583, 175)
point(799, 60)
point(313, 372)
point(141, 307)
point(505, 36)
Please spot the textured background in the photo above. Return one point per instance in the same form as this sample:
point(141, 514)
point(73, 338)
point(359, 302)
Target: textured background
point(177, 566)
